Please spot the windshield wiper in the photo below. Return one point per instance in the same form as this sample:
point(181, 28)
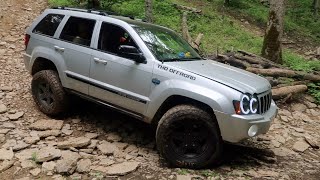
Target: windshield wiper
point(181, 59)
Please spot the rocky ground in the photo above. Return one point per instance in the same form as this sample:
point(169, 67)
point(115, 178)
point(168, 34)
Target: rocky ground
point(91, 142)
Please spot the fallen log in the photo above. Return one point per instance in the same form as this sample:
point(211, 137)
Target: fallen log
point(232, 61)
point(252, 60)
point(277, 72)
point(279, 93)
point(259, 58)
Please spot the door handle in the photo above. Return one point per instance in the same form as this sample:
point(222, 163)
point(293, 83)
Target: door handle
point(57, 48)
point(101, 61)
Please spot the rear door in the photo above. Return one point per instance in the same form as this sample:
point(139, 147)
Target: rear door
point(74, 47)
point(119, 80)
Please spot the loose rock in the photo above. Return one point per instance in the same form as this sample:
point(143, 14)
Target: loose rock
point(74, 142)
point(107, 148)
point(6, 154)
point(47, 125)
point(300, 146)
point(47, 154)
point(122, 168)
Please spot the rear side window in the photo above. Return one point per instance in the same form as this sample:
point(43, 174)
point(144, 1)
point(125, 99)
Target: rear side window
point(49, 24)
point(78, 31)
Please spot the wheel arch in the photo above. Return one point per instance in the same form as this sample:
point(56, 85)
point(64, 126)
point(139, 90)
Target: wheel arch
point(41, 63)
point(175, 100)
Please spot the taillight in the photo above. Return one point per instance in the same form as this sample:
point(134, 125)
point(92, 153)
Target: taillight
point(26, 40)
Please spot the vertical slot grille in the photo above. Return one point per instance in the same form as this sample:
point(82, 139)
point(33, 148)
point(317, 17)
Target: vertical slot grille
point(264, 103)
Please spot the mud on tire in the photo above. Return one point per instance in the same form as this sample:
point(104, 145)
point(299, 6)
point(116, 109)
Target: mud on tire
point(48, 93)
point(189, 137)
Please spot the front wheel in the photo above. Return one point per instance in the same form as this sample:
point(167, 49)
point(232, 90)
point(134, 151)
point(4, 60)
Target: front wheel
point(189, 137)
point(48, 93)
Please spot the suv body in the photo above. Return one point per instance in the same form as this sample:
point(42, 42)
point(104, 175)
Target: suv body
point(138, 82)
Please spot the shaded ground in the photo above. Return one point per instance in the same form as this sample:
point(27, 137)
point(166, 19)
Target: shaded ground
point(281, 154)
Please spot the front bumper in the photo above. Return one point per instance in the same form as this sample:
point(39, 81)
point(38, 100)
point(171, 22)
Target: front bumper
point(235, 128)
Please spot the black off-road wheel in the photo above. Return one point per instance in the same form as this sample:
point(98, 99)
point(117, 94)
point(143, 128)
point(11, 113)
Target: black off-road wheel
point(189, 137)
point(48, 93)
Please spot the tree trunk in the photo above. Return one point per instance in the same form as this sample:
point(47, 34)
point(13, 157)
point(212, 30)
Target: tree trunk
point(148, 9)
point(316, 4)
point(272, 48)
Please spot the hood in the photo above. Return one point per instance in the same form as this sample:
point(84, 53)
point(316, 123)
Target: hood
point(235, 78)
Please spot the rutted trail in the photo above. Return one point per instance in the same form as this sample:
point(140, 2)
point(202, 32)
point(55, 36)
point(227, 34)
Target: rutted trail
point(92, 142)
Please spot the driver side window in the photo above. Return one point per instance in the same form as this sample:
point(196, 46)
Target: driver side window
point(112, 37)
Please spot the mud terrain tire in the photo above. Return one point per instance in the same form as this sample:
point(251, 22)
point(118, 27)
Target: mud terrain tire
point(48, 93)
point(189, 137)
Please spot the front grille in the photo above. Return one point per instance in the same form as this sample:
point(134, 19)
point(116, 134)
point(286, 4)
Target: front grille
point(264, 102)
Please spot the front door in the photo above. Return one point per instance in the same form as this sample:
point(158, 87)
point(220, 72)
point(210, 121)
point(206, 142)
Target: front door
point(118, 80)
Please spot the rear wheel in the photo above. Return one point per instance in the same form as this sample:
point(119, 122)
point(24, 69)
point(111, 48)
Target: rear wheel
point(48, 93)
point(189, 137)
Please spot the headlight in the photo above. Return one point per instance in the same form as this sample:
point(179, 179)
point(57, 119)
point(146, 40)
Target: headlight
point(248, 104)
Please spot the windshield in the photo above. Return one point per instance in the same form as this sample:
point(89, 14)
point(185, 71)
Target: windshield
point(166, 45)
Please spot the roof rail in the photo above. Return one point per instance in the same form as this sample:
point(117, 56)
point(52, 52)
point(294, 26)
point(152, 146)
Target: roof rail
point(102, 13)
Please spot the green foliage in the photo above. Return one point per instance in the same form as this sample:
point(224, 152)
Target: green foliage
point(69, 3)
point(183, 172)
point(208, 173)
point(299, 18)
point(34, 157)
point(297, 62)
point(314, 90)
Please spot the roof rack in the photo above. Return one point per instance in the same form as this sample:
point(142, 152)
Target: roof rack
point(98, 12)
point(93, 11)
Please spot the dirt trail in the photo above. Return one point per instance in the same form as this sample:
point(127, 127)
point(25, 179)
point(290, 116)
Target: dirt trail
point(106, 140)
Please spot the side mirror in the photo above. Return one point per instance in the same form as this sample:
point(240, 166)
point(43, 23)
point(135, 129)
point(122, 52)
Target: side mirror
point(132, 53)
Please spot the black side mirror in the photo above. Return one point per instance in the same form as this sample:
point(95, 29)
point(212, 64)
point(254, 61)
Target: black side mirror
point(132, 53)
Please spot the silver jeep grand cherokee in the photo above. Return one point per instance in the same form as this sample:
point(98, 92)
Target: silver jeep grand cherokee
point(150, 73)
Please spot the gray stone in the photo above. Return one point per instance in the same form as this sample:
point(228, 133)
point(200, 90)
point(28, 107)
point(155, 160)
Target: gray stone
point(2, 138)
point(47, 125)
point(91, 135)
point(298, 107)
point(184, 177)
point(26, 154)
point(48, 166)
point(15, 116)
point(4, 131)
point(28, 164)
point(9, 143)
point(67, 131)
point(32, 139)
point(84, 165)
point(47, 154)
point(8, 125)
point(113, 137)
point(6, 88)
point(311, 142)
point(6, 154)
point(6, 165)
point(68, 163)
point(19, 146)
point(283, 152)
point(267, 173)
point(35, 172)
point(93, 144)
point(74, 142)
point(3, 108)
point(44, 134)
point(122, 168)
point(106, 162)
point(107, 148)
point(300, 146)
